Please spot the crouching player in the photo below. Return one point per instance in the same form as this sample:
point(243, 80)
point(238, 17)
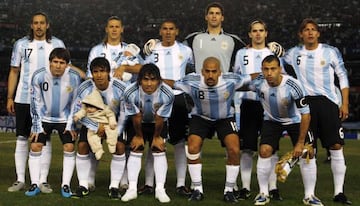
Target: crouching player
point(285, 108)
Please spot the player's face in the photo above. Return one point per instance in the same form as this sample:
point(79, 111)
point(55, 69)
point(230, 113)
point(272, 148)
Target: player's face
point(57, 67)
point(114, 29)
point(272, 73)
point(214, 17)
point(258, 34)
point(168, 33)
point(310, 34)
point(211, 72)
point(100, 77)
point(39, 27)
point(149, 83)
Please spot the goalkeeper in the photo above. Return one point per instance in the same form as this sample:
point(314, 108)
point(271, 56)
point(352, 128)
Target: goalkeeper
point(285, 108)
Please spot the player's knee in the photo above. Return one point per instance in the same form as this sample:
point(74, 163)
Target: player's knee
point(335, 147)
point(156, 149)
point(191, 156)
point(265, 151)
point(139, 148)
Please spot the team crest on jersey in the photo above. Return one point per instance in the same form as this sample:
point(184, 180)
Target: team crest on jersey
point(157, 106)
point(224, 45)
point(322, 63)
point(284, 102)
point(69, 89)
point(181, 57)
point(115, 102)
point(226, 95)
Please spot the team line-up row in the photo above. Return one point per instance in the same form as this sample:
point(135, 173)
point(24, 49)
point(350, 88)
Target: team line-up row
point(151, 98)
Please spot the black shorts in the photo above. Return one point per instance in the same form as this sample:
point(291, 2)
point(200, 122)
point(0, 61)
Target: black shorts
point(251, 118)
point(60, 128)
point(148, 132)
point(23, 119)
point(179, 120)
point(271, 133)
point(325, 121)
point(206, 128)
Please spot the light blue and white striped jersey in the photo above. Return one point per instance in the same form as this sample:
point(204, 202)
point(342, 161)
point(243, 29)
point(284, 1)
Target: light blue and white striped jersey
point(248, 61)
point(160, 102)
point(315, 69)
point(280, 103)
point(212, 103)
point(114, 54)
point(112, 96)
point(30, 56)
point(171, 61)
point(52, 97)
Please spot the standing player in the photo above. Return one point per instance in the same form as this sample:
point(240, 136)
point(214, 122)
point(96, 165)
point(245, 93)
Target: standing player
point(52, 96)
point(248, 61)
point(29, 54)
point(172, 58)
point(112, 48)
point(212, 93)
point(148, 103)
point(214, 41)
point(111, 91)
point(285, 108)
point(315, 65)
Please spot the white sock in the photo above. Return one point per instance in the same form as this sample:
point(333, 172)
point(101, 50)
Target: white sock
point(232, 172)
point(116, 169)
point(180, 163)
point(133, 167)
point(160, 168)
point(46, 154)
point(246, 163)
point(124, 178)
point(338, 169)
point(309, 176)
point(263, 172)
point(68, 167)
point(196, 178)
point(273, 178)
point(82, 169)
point(149, 168)
point(94, 163)
point(34, 167)
point(21, 156)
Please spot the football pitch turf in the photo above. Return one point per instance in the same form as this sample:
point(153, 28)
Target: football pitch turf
point(213, 158)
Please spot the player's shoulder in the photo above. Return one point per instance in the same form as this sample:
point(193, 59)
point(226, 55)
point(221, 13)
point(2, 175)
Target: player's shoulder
point(37, 73)
point(291, 81)
point(194, 34)
point(73, 72)
point(118, 84)
point(131, 90)
point(234, 36)
point(56, 40)
point(21, 41)
point(167, 90)
point(86, 86)
point(329, 47)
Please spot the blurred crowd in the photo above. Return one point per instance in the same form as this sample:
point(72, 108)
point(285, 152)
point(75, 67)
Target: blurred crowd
point(80, 23)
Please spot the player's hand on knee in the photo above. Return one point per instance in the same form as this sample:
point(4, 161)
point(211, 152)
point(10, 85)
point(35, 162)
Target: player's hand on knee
point(158, 144)
point(137, 143)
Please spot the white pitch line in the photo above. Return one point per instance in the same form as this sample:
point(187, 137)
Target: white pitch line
point(7, 142)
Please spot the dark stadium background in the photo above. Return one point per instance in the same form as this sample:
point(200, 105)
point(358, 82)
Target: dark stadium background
point(80, 24)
